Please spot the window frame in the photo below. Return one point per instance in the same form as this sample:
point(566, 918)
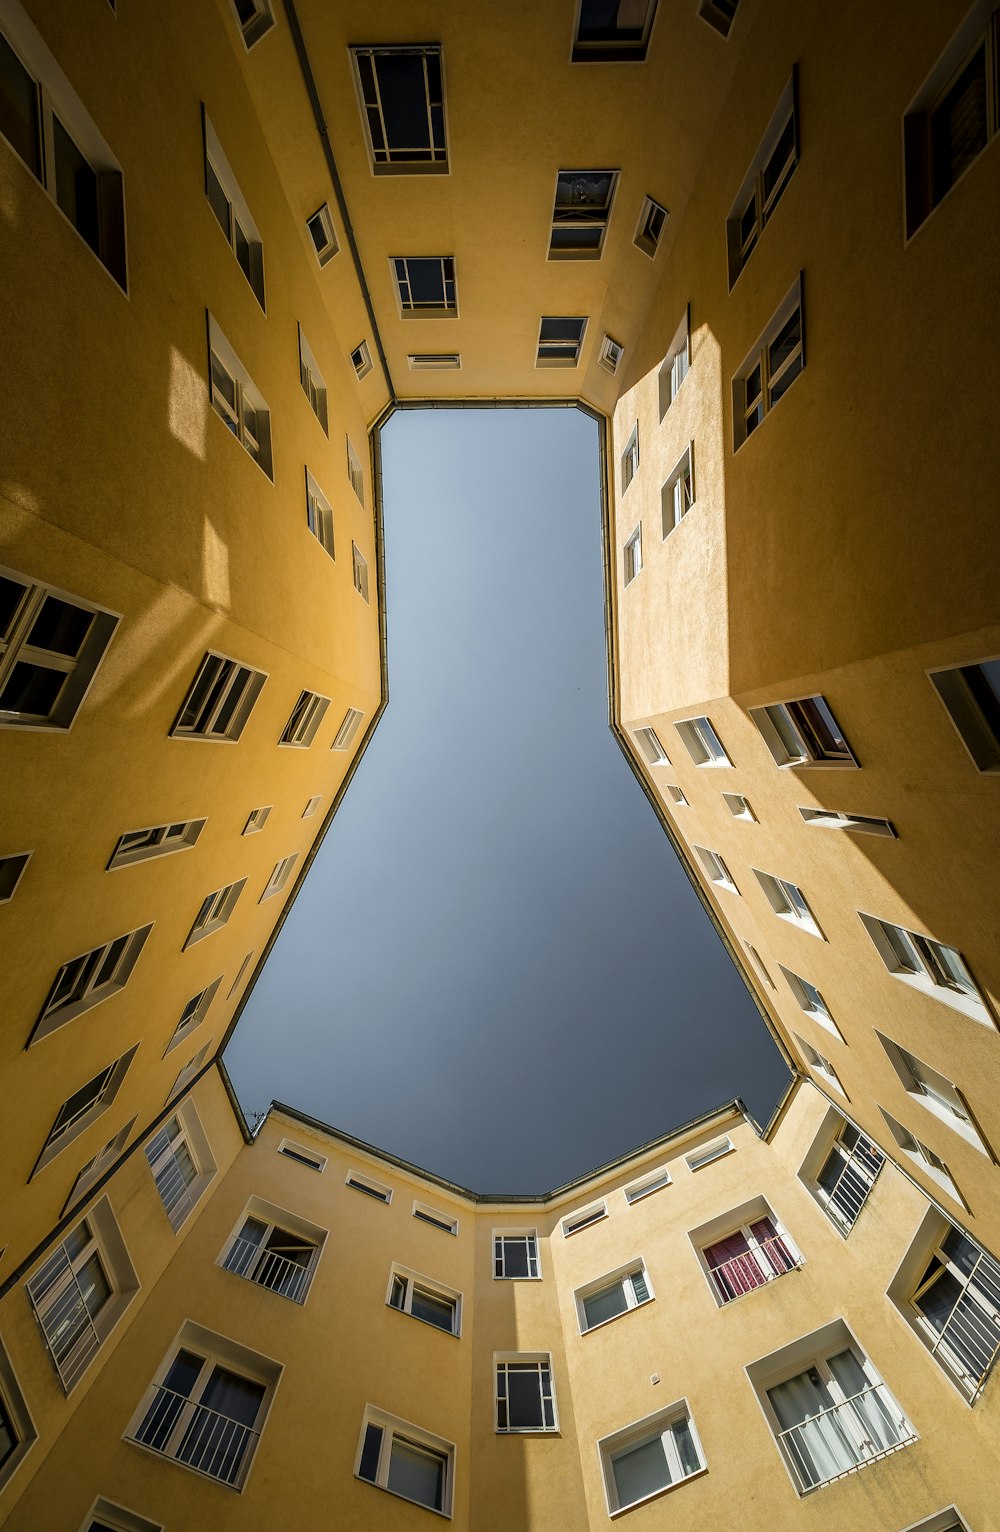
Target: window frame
point(222, 901)
point(359, 568)
point(610, 355)
point(254, 825)
point(127, 856)
point(79, 670)
point(795, 740)
point(676, 364)
point(329, 247)
point(701, 741)
point(853, 1159)
point(444, 1222)
point(349, 726)
point(803, 991)
point(969, 718)
point(161, 1155)
point(715, 869)
point(20, 1424)
point(912, 957)
point(678, 495)
point(355, 472)
point(258, 26)
point(629, 461)
point(523, 1361)
point(599, 221)
point(239, 214)
point(393, 1428)
point(608, 51)
point(361, 360)
point(278, 881)
point(302, 1156)
point(632, 556)
point(947, 1101)
point(212, 707)
point(752, 197)
point(313, 383)
point(117, 1518)
point(438, 160)
point(621, 1276)
point(415, 1280)
point(85, 992)
point(920, 1154)
point(304, 720)
point(434, 361)
point(247, 400)
point(12, 870)
point(60, 1137)
point(638, 1434)
point(645, 1185)
point(376, 1191)
point(785, 904)
point(533, 1255)
point(96, 1167)
point(707, 1154)
point(758, 360)
point(403, 283)
point(583, 1218)
point(820, 1065)
point(862, 824)
point(561, 349)
point(276, 1220)
point(319, 516)
point(770, 1265)
point(718, 15)
point(649, 229)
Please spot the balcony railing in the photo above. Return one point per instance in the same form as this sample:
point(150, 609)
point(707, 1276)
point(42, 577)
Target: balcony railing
point(839, 1440)
point(65, 1320)
point(968, 1343)
point(770, 1258)
point(203, 1439)
point(269, 1269)
point(171, 1182)
point(849, 1192)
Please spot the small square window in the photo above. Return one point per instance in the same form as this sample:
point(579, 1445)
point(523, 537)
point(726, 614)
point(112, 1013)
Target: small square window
point(515, 1255)
point(652, 222)
point(401, 95)
point(406, 1460)
point(51, 645)
point(971, 693)
point(360, 567)
point(610, 354)
point(654, 1455)
point(215, 910)
point(677, 794)
point(560, 341)
point(361, 360)
point(256, 821)
point(304, 720)
point(770, 369)
point(630, 459)
point(719, 14)
point(788, 901)
point(803, 733)
point(11, 872)
point(425, 286)
point(716, 1150)
point(677, 494)
point(581, 214)
point(255, 19)
point(313, 383)
point(633, 555)
point(369, 1187)
point(739, 806)
point(617, 34)
point(219, 700)
point(716, 869)
point(525, 1396)
point(703, 744)
point(322, 235)
point(652, 749)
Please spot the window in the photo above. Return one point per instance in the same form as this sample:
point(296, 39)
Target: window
point(719, 14)
point(103, 1160)
point(847, 1175)
point(361, 360)
point(811, 1001)
point(189, 1071)
point(105, 1517)
point(434, 361)
point(612, 33)
point(277, 1250)
point(677, 794)
point(651, 1456)
point(560, 340)
point(207, 1405)
point(676, 363)
point(232, 213)
point(580, 214)
point(739, 806)
point(255, 19)
point(305, 718)
point(788, 901)
point(421, 1298)
point(944, 1521)
point(140, 845)
point(355, 472)
point(313, 384)
point(803, 733)
point(954, 115)
point(709, 1152)
point(374, 1189)
point(525, 1400)
point(322, 235)
point(703, 744)
point(319, 515)
point(80, 1292)
point(647, 1185)
point(311, 806)
point(401, 92)
point(756, 1250)
point(257, 820)
point(934, 1091)
point(630, 459)
point(442, 1221)
point(770, 369)
point(406, 1460)
point(831, 819)
point(344, 737)
point(765, 181)
point(47, 126)
point(649, 744)
point(17, 1430)
point(220, 699)
point(819, 1064)
point(51, 645)
point(610, 355)
point(83, 1108)
point(828, 1409)
point(239, 975)
point(924, 1158)
point(193, 1014)
point(948, 1290)
point(584, 1218)
point(279, 877)
point(677, 494)
point(759, 961)
point(85, 981)
point(215, 911)
point(303, 1156)
point(425, 286)
point(236, 399)
point(181, 1163)
point(515, 1255)
point(11, 869)
point(929, 965)
point(716, 869)
point(359, 566)
point(971, 693)
point(652, 221)
point(633, 555)
point(613, 1295)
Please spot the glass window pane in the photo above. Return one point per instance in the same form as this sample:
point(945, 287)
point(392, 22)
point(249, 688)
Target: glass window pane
point(76, 187)
point(640, 1471)
point(416, 1473)
point(607, 1304)
point(432, 1308)
point(19, 108)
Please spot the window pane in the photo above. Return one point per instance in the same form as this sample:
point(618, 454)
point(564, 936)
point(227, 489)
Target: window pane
point(368, 1468)
point(606, 1304)
point(416, 1473)
point(524, 1394)
point(218, 199)
point(76, 187)
point(640, 1471)
point(404, 105)
point(19, 108)
point(959, 126)
point(435, 1310)
point(31, 691)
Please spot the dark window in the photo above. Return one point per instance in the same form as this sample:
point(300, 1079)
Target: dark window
point(19, 121)
point(613, 31)
point(403, 99)
point(426, 285)
point(581, 212)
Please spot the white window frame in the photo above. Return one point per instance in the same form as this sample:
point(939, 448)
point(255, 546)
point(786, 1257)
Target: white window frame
point(159, 840)
point(355, 473)
point(361, 360)
point(739, 806)
point(359, 565)
point(258, 25)
point(406, 306)
point(12, 870)
point(632, 555)
point(533, 1255)
point(321, 222)
point(784, 373)
point(920, 1154)
point(675, 365)
point(678, 795)
point(620, 1277)
point(786, 905)
point(698, 1159)
point(319, 516)
point(769, 1265)
point(235, 678)
point(614, 50)
point(820, 1065)
point(312, 804)
point(715, 869)
point(99, 1165)
point(702, 743)
point(240, 220)
point(678, 495)
point(832, 819)
point(377, 1191)
point(445, 1222)
point(239, 975)
point(394, 1428)
point(303, 1156)
point(629, 463)
point(182, 1131)
point(246, 416)
point(793, 739)
point(646, 1185)
point(304, 720)
point(256, 820)
point(278, 880)
point(351, 723)
point(610, 355)
point(913, 958)
point(651, 746)
point(215, 911)
point(522, 1361)
point(193, 1015)
point(107, 1514)
point(811, 1001)
point(583, 1218)
point(92, 977)
point(434, 361)
point(402, 1282)
point(638, 1434)
point(934, 1091)
point(549, 352)
point(78, 670)
point(753, 197)
point(313, 383)
point(381, 160)
point(649, 229)
point(858, 1162)
point(189, 1070)
point(65, 1129)
point(582, 215)
point(266, 1268)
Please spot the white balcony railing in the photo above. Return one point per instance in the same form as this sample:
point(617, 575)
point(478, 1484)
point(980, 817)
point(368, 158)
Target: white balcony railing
point(838, 1440)
point(268, 1269)
point(770, 1258)
point(849, 1192)
point(969, 1340)
point(203, 1439)
point(66, 1322)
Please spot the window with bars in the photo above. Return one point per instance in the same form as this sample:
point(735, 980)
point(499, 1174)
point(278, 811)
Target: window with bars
point(955, 1302)
point(404, 1459)
point(770, 369)
point(50, 130)
point(702, 743)
point(232, 213)
point(927, 964)
point(652, 1455)
point(160, 840)
point(423, 1299)
point(617, 33)
point(313, 383)
point(237, 400)
point(319, 515)
point(215, 910)
point(425, 286)
point(788, 901)
point(751, 1255)
point(401, 92)
point(609, 1297)
point(220, 699)
point(652, 222)
point(80, 1290)
point(580, 214)
point(85, 981)
point(560, 340)
point(265, 1249)
point(677, 494)
point(83, 1108)
point(322, 234)
point(304, 720)
point(765, 181)
point(51, 645)
point(846, 1177)
point(344, 737)
point(525, 1395)
point(971, 694)
point(803, 733)
point(278, 880)
point(515, 1255)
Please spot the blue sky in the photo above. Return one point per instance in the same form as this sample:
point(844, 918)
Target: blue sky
point(497, 968)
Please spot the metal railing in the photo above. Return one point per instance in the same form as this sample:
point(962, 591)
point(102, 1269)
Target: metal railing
point(770, 1258)
point(70, 1333)
point(969, 1340)
point(849, 1192)
point(844, 1437)
point(203, 1439)
point(268, 1269)
point(171, 1183)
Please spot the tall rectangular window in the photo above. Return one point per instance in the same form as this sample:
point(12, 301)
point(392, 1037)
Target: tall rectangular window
point(219, 700)
point(764, 182)
point(632, 555)
point(652, 222)
point(51, 645)
point(355, 472)
point(359, 565)
point(313, 383)
point(676, 364)
point(401, 93)
point(425, 286)
point(677, 494)
point(525, 1398)
point(319, 515)
point(772, 366)
point(560, 340)
point(181, 1163)
point(630, 459)
point(953, 1302)
point(847, 1175)
point(344, 737)
point(11, 872)
point(581, 213)
point(237, 400)
point(232, 213)
point(85, 981)
point(304, 720)
point(515, 1255)
point(803, 733)
point(80, 1291)
point(703, 744)
point(193, 1015)
point(971, 693)
point(322, 234)
point(83, 1108)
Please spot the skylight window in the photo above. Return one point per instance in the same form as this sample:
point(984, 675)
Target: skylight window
point(559, 342)
point(401, 91)
point(425, 286)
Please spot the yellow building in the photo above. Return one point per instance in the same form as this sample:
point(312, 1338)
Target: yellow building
point(234, 237)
